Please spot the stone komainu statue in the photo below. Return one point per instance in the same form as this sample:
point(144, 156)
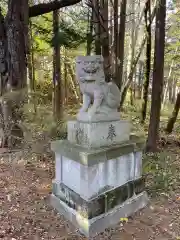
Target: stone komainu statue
point(105, 97)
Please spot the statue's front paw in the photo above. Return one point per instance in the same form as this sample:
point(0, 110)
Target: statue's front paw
point(91, 111)
point(82, 110)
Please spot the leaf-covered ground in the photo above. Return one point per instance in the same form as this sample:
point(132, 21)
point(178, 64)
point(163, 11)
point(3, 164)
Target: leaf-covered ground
point(26, 214)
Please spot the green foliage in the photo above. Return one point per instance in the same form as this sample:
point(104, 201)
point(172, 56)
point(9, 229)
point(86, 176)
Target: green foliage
point(42, 121)
point(42, 33)
point(173, 37)
point(69, 36)
point(162, 171)
point(3, 7)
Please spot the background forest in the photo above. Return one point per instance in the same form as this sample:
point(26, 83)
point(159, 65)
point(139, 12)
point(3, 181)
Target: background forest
point(139, 41)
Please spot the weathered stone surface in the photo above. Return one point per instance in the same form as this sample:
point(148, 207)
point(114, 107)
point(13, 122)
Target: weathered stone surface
point(90, 157)
point(100, 204)
point(100, 134)
point(138, 165)
point(90, 181)
point(91, 227)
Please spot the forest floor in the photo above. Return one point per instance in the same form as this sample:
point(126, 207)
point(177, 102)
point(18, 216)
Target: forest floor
point(25, 213)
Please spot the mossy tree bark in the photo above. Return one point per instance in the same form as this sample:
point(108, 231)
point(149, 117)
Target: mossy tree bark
point(17, 39)
point(16, 36)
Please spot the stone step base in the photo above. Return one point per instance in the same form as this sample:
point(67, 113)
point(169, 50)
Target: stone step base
point(101, 203)
point(92, 227)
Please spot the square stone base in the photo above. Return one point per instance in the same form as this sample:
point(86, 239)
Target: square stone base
point(99, 134)
point(101, 203)
point(92, 227)
point(92, 172)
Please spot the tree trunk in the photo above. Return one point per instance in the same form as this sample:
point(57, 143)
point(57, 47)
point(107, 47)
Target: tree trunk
point(168, 81)
point(111, 38)
point(66, 78)
point(74, 88)
point(30, 74)
point(172, 120)
point(132, 41)
point(158, 76)
point(89, 33)
point(17, 39)
point(31, 71)
point(140, 80)
point(164, 94)
point(170, 90)
point(116, 39)
point(57, 69)
point(132, 98)
point(148, 59)
point(3, 53)
point(105, 37)
point(96, 23)
point(43, 8)
point(121, 38)
point(16, 36)
point(174, 89)
point(30, 59)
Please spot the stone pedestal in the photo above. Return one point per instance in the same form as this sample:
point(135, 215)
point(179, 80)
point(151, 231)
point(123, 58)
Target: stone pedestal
point(98, 177)
point(98, 134)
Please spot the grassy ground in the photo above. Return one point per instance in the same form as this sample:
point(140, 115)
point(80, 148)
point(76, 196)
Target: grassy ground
point(25, 186)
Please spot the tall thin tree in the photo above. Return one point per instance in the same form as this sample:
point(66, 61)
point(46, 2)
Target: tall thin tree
point(89, 32)
point(173, 118)
point(147, 15)
point(158, 77)
point(104, 23)
point(3, 62)
point(56, 68)
point(97, 27)
point(121, 42)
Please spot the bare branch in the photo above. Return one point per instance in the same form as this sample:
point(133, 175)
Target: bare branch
point(43, 8)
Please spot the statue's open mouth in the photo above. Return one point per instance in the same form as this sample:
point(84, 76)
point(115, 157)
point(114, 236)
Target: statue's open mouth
point(91, 70)
point(90, 80)
point(87, 80)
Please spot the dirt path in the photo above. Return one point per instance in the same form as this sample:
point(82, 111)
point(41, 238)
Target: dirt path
point(25, 213)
